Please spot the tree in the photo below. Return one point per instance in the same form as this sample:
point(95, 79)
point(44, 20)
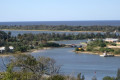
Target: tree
point(7, 48)
point(57, 77)
point(118, 74)
point(83, 77)
point(9, 73)
point(79, 76)
point(39, 66)
point(108, 78)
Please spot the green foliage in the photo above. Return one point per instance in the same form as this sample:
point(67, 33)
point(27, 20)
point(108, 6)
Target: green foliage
point(102, 44)
point(83, 77)
point(106, 50)
point(63, 27)
point(102, 50)
point(79, 77)
point(3, 35)
point(89, 48)
point(21, 48)
point(50, 45)
point(31, 61)
point(38, 67)
point(76, 49)
point(109, 50)
point(25, 42)
point(118, 74)
point(9, 73)
point(57, 77)
point(98, 45)
point(94, 44)
point(113, 44)
point(7, 48)
point(108, 78)
point(117, 51)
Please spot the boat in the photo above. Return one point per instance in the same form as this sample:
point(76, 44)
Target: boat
point(107, 55)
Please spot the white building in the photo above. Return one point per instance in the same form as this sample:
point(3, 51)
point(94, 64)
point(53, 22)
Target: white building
point(111, 39)
point(11, 47)
point(2, 49)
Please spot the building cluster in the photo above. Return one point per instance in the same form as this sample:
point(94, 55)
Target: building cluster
point(2, 49)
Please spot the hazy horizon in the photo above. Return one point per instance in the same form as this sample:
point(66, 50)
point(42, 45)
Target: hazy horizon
point(60, 21)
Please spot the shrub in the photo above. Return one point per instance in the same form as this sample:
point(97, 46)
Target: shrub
point(89, 48)
point(108, 78)
point(117, 51)
point(113, 44)
point(49, 45)
point(57, 77)
point(106, 49)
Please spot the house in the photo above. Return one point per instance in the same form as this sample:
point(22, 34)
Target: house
point(11, 47)
point(2, 49)
point(111, 40)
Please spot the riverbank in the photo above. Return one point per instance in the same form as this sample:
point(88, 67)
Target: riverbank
point(47, 30)
point(29, 51)
point(95, 53)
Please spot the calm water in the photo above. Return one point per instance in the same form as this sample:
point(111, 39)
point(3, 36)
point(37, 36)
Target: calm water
point(87, 64)
point(16, 32)
point(74, 23)
point(73, 63)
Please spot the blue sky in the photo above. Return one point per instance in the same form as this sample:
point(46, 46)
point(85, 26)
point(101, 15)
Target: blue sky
point(59, 10)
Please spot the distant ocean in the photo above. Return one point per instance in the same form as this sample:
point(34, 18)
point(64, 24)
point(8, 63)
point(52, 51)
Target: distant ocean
point(72, 23)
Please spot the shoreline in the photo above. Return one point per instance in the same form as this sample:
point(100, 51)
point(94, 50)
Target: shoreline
point(94, 53)
point(46, 48)
point(28, 52)
point(47, 30)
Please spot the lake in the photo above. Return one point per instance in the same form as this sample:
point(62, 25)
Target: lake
point(73, 63)
point(16, 32)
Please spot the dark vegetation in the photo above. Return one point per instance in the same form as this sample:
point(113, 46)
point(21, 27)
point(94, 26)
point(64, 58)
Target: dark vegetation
point(100, 46)
point(96, 45)
point(25, 42)
point(113, 78)
point(31, 68)
point(62, 27)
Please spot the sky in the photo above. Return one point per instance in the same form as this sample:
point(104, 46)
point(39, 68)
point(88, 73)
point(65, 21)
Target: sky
point(59, 10)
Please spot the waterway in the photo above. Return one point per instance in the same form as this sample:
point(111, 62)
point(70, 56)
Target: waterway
point(73, 63)
point(87, 64)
